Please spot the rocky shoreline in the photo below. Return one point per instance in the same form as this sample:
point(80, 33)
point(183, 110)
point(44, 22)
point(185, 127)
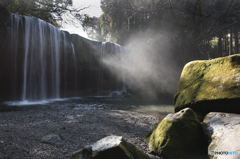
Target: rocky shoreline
point(22, 132)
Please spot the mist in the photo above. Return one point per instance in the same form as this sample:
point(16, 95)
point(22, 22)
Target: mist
point(148, 65)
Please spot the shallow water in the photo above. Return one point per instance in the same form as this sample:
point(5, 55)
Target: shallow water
point(156, 108)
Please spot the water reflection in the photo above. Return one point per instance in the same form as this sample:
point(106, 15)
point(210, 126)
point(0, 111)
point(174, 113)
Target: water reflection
point(156, 108)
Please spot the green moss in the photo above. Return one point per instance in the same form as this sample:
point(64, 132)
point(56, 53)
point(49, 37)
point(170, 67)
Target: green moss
point(208, 80)
point(126, 151)
point(178, 135)
point(132, 151)
point(199, 116)
point(76, 154)
point(190, 82)
point(147, 136)
point(159, 138)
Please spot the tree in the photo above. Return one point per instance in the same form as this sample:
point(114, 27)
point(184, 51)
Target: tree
point(51, 11)
point(202, 20)
point(190, 25)
point(113, 23)
point(91, 25)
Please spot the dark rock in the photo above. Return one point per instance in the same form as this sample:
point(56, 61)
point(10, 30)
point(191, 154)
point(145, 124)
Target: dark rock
point(111, 147)
point(52, 139)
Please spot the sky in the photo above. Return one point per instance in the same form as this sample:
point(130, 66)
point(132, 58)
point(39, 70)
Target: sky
point(94, 10)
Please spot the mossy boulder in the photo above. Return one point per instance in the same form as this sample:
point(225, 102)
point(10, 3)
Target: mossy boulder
point(222, 130)
point(111, 147)
point(212, 85)
point(178, 135)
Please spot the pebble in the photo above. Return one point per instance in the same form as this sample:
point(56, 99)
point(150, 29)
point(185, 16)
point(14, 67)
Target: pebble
point(95, 125)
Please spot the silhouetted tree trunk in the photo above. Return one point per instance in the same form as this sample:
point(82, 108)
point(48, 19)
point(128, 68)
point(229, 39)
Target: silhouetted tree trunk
point(205, 47)
point(225, 44)
point(236, 39)
point(219, 44)
point(231, 45)
point(208, 49)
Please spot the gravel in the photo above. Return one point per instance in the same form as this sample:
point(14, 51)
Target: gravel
point(22, 132)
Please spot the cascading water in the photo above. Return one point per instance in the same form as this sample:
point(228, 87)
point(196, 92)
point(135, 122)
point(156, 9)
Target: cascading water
point(45, 63)
point(116, 55)
point(43, 54)
point(69, 59)
point(122, 52)
point(102, 49)
point(16, 23)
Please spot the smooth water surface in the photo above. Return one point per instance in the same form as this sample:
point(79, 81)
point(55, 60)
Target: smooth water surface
point(157, 109)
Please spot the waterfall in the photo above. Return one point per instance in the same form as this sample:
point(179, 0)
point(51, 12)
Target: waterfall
point(43, 62)
point(121, 52)
point(116, 54)
point(102, 49)
point(45, 56)
point(75, 70)
point(15, 23)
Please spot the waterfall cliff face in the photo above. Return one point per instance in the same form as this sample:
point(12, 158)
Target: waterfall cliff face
point(99, 63)
point(43, 54)
point(38, 62)
point(112, 55)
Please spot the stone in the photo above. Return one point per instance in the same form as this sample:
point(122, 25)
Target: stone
point(52, 139)
point(108, 148)
point(178, 135)
point(223, 132)
point(210, 86)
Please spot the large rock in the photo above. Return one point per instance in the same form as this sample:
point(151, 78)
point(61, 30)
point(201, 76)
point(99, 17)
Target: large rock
point(210, 86)
point(178, 135)
point(111, 147)
point(223, 131)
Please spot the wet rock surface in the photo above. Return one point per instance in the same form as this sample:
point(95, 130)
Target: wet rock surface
point(21, 132)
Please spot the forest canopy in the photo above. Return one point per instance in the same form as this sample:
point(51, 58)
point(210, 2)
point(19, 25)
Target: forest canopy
point(195, 28)
point(190, 24)
point(51, 11)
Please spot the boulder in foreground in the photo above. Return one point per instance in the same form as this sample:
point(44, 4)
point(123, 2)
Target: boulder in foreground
point(111, 147)
point(178, 135)
point(210, 86)
point(223, 131)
